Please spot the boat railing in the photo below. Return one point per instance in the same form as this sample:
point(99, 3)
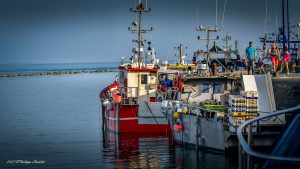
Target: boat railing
point(129, 95)
point(246, 153)
point(171, 93)
point(199, 111)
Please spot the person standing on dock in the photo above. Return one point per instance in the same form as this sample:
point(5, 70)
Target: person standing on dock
point(261, 65)
point(286, 59)
point(239, 62)
point(273, 53)
point(250, 57)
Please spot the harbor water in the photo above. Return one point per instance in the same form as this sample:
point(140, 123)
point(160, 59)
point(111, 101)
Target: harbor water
point(55, 122)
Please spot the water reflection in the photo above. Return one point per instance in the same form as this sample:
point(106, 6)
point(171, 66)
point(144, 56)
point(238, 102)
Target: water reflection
point(150, 151)
point(135, 151)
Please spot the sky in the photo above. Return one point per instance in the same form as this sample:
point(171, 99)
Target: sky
point(75, 31)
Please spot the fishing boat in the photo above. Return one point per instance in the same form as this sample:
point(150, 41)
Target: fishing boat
point(211, 106)
point(129, 104)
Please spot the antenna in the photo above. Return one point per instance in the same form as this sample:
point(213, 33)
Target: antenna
point(137, 27)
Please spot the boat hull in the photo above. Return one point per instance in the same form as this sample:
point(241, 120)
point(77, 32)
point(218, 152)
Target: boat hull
point(199, 132)
point(130, 123)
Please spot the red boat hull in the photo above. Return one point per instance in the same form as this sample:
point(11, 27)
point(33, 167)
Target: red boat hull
point(128, 122)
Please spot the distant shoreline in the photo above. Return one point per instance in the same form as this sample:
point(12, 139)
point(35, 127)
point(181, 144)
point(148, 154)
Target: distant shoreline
point(58, 73)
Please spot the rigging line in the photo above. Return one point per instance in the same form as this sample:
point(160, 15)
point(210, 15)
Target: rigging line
point(211, 56)
point(276, 15)
point(197, 15)
point(216, 12)
point(224, 10)
point(183, 41)
point(276, 25)
point(151, 37)
point(135, 14)
point(266, 17)
point(154, 117)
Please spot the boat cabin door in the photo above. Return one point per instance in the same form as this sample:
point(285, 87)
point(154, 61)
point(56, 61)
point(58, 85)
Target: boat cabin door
point(147, 85)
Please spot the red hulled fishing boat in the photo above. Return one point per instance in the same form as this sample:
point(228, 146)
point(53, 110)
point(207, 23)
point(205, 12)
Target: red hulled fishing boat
point(129, 104)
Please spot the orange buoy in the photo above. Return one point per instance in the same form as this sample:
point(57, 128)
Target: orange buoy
point(117, 97)
point(176, 115)
point(178, 128)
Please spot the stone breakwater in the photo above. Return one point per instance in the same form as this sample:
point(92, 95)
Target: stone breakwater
point(57, 73)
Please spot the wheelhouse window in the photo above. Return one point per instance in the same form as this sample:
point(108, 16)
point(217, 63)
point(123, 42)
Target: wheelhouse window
point(144, 79)
point(205, 88)
point(216, 88)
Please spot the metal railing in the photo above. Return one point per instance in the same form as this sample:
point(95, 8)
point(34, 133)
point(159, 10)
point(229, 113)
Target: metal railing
point(196, 110)
point(245, 148)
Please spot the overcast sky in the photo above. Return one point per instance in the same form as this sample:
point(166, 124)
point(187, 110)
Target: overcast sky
point(66, 31)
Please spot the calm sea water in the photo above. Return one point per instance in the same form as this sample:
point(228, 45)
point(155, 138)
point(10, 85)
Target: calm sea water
point(56, 121)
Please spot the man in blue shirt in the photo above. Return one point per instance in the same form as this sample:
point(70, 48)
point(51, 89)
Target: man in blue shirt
point(250, 57)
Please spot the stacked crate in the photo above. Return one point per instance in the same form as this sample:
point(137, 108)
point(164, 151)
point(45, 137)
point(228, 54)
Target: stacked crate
point(251, 106)
point(237, 109)
point(214, 109)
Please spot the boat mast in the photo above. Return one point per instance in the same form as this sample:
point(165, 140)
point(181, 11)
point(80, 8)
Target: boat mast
point(288, 24)
point(180, 49)
point(180, 54)
point(227, 38)
point(208, 38)
point(140, 9)
point(283, 25)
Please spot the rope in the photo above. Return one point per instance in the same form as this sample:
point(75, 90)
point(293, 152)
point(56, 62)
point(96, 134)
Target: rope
point(276, 24)
point(266, 17)
point(197, 15)
point(146, 5)
point(154, 117)
point(216, 12)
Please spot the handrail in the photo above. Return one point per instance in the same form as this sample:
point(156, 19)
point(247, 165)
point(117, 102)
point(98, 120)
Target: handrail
point(246, 147)
point(189, 106)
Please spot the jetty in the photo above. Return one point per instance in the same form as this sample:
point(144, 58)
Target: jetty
point(57, 73)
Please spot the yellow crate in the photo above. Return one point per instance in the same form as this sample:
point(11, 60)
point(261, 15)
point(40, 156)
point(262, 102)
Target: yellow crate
point(238, 114)
point(251, 102)
point(237, 104)
point(237, 100)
